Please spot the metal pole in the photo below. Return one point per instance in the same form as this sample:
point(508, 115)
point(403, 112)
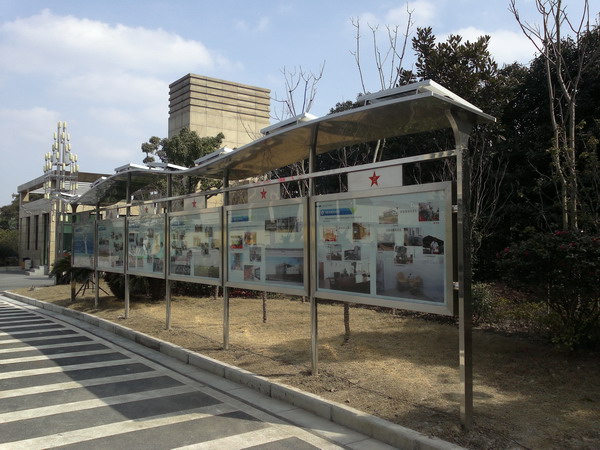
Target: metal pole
point(126, 243)
point(314, 317)
point(462, 129)
point(74, 218)
point(167, 253)
point(224, 264)
point(96, 273)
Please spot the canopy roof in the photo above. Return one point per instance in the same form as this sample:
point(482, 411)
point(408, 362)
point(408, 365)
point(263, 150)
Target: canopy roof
point(416, 108)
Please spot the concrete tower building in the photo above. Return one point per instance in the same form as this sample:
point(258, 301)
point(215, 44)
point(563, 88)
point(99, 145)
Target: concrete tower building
point(209, 106)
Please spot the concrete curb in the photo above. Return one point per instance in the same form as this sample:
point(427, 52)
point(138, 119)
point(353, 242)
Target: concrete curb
point(374, 427)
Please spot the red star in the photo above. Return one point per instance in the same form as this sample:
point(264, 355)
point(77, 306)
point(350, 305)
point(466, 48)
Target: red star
point(194, 204)
point(263, 193)
point(374, 179)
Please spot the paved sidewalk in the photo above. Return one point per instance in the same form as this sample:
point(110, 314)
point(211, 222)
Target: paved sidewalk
point(337, 423)
point(64, 386)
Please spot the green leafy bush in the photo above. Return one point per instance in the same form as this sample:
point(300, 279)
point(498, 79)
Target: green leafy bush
point(562, 271)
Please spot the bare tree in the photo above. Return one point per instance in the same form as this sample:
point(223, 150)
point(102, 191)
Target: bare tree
point(389, 60)
point(563, 80)
point(300, 92)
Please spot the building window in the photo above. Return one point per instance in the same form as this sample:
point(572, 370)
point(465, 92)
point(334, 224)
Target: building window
point(36, 228)
point(28, 222)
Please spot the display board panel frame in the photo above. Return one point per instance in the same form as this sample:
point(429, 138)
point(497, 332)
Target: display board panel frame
point(217, 281)
point(302, 290)
point(447, 307)
point(80, 227)
point(100, 267)
point(131, 220)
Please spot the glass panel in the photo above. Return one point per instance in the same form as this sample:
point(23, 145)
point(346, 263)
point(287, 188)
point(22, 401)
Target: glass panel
point(392, 247)
point(110, 245)
point(196, 245)
point(146, 242)
point(266, 245)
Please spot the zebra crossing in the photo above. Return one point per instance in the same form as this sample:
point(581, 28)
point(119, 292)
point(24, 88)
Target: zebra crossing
point(61, 386)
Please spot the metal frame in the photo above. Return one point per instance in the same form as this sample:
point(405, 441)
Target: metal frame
point(448, 307)
point(193, 278)
point(282, 289)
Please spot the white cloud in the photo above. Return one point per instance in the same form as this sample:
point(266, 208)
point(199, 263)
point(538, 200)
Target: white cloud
point(27, 136)
point(65, 44)
point(505, 46)
point(115, 87)
point(261, 25)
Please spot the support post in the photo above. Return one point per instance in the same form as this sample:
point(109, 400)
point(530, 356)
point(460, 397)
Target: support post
point(96, 273)
point(126, 243)
point(314, 317)
point(166, 254)
point(462, 127)
point(73, 284)
point(224, 264)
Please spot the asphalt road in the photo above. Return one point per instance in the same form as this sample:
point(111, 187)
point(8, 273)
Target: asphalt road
point(69, 387)
point(15, 278)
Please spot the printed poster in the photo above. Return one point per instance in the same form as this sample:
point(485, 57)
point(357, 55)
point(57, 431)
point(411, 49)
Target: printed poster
point(83, 245)
point(146, 240)
point(392, 247)
point(266, 245)
point(111, 255)
point(196, 245)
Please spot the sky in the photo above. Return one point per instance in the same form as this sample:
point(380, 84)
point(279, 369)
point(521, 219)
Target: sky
point(105, 66)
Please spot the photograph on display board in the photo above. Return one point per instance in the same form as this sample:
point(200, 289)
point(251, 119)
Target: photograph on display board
point(330, 234)
point(236, 261)
point(334, 252)
point(236, 241)
point(353, 254)
point(386, 242)
point(250, 238)
point(285, 265)
point(360, 231)
point(389, 217)
point(346, 276)
point(255, 254)
point(251, 273)
point(429, 212)
point(433, 245)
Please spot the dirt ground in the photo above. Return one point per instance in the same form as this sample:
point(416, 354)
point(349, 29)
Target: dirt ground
point(403, 369)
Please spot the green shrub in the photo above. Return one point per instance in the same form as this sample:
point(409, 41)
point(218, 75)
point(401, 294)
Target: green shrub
point(483, 297)
point(562, 271)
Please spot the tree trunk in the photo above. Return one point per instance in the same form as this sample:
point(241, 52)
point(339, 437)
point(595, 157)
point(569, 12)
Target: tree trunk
point(73, 286)
point(346, 323)
point(264, 306)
